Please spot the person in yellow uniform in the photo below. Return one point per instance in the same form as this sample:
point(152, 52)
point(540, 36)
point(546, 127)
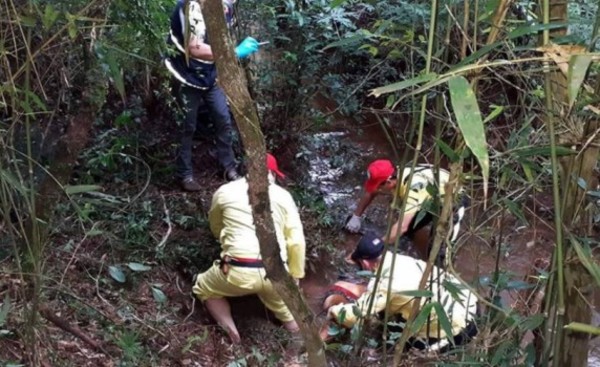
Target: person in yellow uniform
point(240, 270)
point(383, 178)
point(459, 305)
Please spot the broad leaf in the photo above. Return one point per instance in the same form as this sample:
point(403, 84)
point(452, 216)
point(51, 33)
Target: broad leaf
point(470, 123)
point(159, 296)
point(585, 256)
point(336, 3)
point(116, 273)
point(138, 267)
point(578, 66)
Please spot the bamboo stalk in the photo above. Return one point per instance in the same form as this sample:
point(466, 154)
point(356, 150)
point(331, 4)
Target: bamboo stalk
point(550, 120)
point(416, 302)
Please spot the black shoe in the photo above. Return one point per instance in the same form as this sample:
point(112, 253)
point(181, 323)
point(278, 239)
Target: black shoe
point(189, 184)
point(231, 174)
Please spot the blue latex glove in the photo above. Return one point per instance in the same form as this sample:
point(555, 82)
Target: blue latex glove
point(246, 48)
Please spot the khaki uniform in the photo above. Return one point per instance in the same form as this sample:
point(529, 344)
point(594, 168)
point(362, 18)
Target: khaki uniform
point(423, 176)
point(406, 276)
point(231, 221)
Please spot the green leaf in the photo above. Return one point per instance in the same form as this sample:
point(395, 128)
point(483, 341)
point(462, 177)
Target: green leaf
point(585, 256)
point(514, 209)
point(352, 40)
point(138, 267)
point(403, 84)
point(71, 26)
point(421, 318)
point(336, 3)
point(470, 123)
point(447, 150)
point(4, 310)
point(159, 296)
point(583, 328)
point(417, 293)
point(50, 16)
point(541, 151)
point(518, 285)
point(116, 273)
point(78, 189)
point(531, 322)
point(495, 112)
point(578, 66)
point(112, 68)
point(443, 320)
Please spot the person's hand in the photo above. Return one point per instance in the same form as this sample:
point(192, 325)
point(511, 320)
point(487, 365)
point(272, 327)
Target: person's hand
point(246, 48)
point(353, 224)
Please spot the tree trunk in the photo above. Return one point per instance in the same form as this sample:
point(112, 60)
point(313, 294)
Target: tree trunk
point(578, 281)
point(232, 79)
point(573, 347)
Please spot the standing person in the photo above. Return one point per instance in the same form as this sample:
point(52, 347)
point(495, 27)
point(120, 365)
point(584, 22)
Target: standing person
point(193, 69)
point(383, 178)
point(459, 305)
point(240, 270)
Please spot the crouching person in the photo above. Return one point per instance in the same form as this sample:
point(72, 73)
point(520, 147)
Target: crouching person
point(459, 305)
point(240, 270)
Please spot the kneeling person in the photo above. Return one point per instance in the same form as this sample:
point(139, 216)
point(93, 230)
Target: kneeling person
point(460, 307)
point(240, 271)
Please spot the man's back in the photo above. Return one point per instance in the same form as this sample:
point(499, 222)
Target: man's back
point(231, 220)
point(406, 276)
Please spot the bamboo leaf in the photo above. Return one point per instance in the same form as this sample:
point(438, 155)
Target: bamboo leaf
point(531, 322)
point(403, 84)
point(578, 66)
point(495, 112)
point(421, 318)
point(417, 293)
point(443, 320)
point(470, 123)
point(354, 39)
point(583, 328)
point(586, 258)
point(541, 151)
point(447, 150)
point(78, 189)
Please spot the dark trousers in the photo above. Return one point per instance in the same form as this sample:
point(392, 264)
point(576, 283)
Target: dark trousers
point(191, 99)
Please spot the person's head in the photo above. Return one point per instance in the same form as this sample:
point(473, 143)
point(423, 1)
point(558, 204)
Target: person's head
point(273, 167)
point(228, 10)
point(368, 251)
point(381, 176)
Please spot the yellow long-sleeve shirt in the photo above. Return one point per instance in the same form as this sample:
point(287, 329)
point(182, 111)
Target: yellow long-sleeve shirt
point(405, 276)
point(230, 219)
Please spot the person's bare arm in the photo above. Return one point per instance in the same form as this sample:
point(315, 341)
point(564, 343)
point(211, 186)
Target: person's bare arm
point(364, 203)
point(399, 228)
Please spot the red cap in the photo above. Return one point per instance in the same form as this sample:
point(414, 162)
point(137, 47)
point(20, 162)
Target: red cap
point(378, 172)
point(272, 165)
